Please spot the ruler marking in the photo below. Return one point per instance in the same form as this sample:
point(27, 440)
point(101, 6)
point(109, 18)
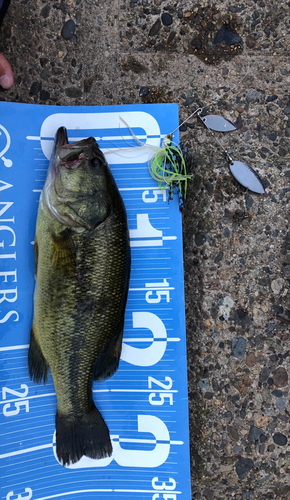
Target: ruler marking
point(144, 390)
point(154, 288)
point(14, 347)
point(57, 495)
point(146, 491)
point(27, 450)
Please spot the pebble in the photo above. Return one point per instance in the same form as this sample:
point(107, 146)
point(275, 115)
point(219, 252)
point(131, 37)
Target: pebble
point(243, 466)
point(225, 306)
point(204, 384)
point(171, 37)
point(45, 11)
point(271, 98)
point(280, 377)
point(233, 433)
point(277, 285)
point(207, 493)
point(44, 95)
point(277, 393)
point(263, 420)
point(280, 439)
point(253, 96)
point(200, 239)
point(189, 101)
point(208, 186)
point(271, 326)
point(196, 43)
point(255, 433)
point(166, 19)
point(155, 28)
point(45, 74)
point(233, 9)
point(144, 91)
point(226, 36)
point(272, 136)
point(35, 88)
point(68, 29)
point(219, 257)
point(215, 337)
point(280, 404)
point(264, 374)
point(239, 347)
point(73, 92)
point(251, 359)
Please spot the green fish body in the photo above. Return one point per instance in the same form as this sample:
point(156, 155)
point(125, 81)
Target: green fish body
point(82, 274)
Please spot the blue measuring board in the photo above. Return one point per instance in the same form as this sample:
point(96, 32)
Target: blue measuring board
point(145, 404)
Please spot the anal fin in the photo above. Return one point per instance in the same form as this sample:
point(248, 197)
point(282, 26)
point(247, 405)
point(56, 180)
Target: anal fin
point(108, 364)
point(37, 364)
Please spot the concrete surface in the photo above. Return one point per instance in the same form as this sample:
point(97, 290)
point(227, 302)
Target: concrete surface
point(236, 243)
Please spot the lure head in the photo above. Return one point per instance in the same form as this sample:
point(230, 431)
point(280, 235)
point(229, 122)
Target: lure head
point(167, 141)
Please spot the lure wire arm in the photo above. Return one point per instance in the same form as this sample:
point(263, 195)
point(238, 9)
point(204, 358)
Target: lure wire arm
point(198, 110)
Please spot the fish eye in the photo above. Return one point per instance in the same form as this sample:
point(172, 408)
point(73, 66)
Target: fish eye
point(95, 162)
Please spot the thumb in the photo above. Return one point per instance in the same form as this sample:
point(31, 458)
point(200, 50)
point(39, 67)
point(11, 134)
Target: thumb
point(6, 73)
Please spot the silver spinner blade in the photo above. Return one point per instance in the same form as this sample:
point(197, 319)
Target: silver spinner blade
point(217, 123)
point(246, 176)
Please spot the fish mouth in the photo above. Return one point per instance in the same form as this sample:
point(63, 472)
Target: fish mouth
point(69, 155)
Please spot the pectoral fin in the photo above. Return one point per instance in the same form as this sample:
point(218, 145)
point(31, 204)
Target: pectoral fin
point(63, 253)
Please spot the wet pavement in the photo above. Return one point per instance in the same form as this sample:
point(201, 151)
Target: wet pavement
point(233, 59)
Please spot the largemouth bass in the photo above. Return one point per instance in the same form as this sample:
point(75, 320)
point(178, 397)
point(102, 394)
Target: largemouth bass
point(82, 267)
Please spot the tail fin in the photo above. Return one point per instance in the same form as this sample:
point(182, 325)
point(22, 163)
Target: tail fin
point(86, 435)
